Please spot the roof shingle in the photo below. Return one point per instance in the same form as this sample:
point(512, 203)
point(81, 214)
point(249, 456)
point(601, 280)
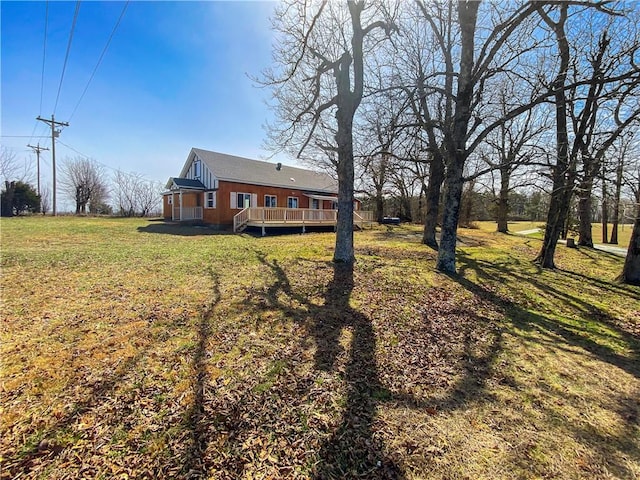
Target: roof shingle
point(243, 170)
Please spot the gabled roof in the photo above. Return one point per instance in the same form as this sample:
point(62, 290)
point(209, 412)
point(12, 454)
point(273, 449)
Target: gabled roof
point(185, 183)
point(243, 170)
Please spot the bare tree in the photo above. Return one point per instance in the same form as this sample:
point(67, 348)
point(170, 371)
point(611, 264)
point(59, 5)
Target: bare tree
point(148, 197)
point(12, 169)
point(513, 145)
point(473, 60)
point(134, 195)
point(625, 149)
point(319, 84)
point(84, 181)
point(603, 112)
point(45, 199)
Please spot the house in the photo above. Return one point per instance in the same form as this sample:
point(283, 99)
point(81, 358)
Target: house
point(234, 192)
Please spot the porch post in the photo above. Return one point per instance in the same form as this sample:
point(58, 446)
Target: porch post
point(181, 205)
point(173, 206)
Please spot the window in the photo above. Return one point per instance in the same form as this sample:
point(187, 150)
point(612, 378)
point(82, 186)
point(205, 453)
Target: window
point(243, 200)
point(196, 169)
point(170, 199)
point(292, 202)
point(210, 199)
point(270, 201)
point(315, 203)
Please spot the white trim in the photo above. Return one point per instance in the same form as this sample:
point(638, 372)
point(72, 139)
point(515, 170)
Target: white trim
point(322, 197)
point(213, 198)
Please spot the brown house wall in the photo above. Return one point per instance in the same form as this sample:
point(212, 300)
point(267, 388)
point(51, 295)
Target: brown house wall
point(223, 213)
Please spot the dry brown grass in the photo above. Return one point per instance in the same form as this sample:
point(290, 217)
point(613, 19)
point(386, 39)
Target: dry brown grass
point(129, 348)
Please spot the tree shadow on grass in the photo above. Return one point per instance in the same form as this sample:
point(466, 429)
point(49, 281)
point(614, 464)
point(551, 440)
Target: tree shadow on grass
point(194, 466)
point(608, 449)
point(352, 451)
point(583, 336)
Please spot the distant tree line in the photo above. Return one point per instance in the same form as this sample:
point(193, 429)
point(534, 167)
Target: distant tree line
point(84, 182)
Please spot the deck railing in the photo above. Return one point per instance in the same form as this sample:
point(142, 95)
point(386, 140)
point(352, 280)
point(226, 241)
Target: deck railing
point(240, 219)
point(188, 213)
point(263, 216)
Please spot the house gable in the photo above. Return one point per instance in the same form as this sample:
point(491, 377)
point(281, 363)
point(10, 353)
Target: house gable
point(196, 169)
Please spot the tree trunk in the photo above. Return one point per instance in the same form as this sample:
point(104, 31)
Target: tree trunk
point(562, 176)
point(379, 201)
point(344, 251)
point(585, 238)
point(446, 261)
point(405, 206)
point(456, 151)
point(502, 212)
point(631, 270)
point(616, 203)
point(436, 177)
point(605, 213)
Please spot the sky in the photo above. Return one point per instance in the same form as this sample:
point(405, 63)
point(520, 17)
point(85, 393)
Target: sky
point(176, 75)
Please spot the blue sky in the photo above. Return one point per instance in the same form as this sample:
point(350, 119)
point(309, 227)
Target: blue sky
point(175, 76)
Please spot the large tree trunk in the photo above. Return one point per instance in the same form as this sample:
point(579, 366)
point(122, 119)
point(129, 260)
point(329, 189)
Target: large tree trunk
point(344, 251)
point(451, 212)
point(631, 270)
point(436, 177)
point(456, 150)
point(379, 202)
point(562, 171)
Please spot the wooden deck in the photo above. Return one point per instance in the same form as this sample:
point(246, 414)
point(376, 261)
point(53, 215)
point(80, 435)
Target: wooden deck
point(262, 217)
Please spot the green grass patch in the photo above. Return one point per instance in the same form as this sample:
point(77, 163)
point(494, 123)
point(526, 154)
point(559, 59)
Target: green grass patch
point(134, 348)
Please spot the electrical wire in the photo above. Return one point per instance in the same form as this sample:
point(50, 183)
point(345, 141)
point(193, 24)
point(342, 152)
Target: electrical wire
point(131, 174)
point(44, 53)
point(66, 56)
point(104, 50)
point(25, 136)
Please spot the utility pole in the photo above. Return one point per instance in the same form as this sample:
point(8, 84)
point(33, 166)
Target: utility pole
point(38, 149)
point(54, 134)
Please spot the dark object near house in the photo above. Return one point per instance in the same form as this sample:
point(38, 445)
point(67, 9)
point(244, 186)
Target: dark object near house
point(571, 243)
point(390, 221)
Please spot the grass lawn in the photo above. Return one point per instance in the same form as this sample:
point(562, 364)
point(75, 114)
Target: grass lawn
point(131, 349)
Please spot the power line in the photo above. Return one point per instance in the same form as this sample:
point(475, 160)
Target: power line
point(24, 136)
point(66, 57)
point(44, 54)
point(132, 174)
point(104, 50)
